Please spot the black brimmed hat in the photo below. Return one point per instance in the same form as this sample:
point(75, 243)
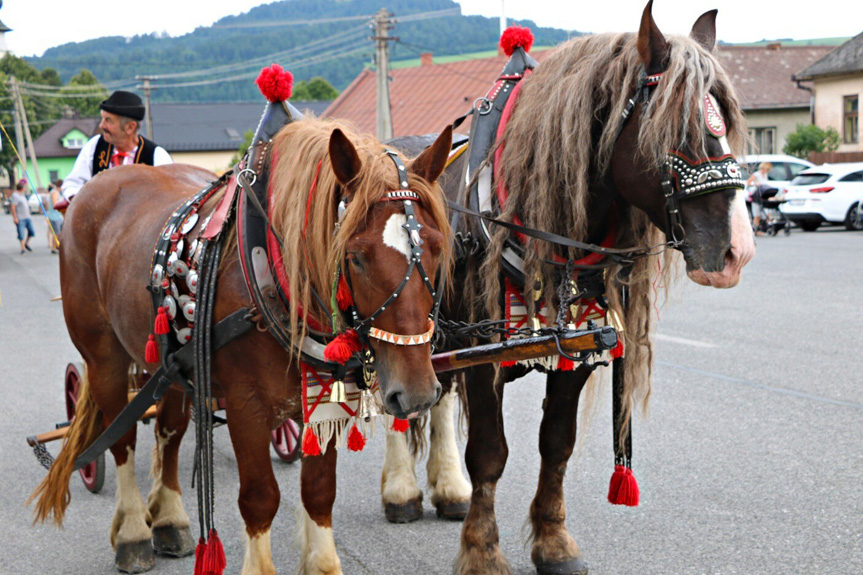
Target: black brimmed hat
point(124, 104)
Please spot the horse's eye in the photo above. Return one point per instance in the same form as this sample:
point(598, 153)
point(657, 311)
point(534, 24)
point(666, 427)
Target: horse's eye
point(354, 259)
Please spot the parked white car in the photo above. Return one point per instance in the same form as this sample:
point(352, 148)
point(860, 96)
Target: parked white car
point(828, 193)
point(783, 171)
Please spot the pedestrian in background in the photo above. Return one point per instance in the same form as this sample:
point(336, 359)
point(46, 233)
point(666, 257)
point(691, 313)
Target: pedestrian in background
point(55, 218)
point(21, 216)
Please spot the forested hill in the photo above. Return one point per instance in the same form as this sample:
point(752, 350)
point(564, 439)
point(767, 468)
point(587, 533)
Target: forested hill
point(336, 48)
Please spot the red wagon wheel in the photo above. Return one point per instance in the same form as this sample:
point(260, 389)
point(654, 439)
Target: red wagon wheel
point(286, 441)
point(93, 475)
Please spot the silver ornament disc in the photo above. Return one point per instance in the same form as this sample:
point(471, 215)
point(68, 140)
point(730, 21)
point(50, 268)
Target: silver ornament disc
point(158, 276)
point(172, 261)
point(181, 268)
point(184, 335)
point(180, 246)
point(189, 224)
point(189, 310)
point(192, 281)
point(174, 291)
point(170, 306)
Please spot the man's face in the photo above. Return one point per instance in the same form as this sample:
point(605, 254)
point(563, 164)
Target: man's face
point(113, 129)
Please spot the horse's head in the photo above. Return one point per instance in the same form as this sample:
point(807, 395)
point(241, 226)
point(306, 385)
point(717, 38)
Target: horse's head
point(391, 245)
point(684, 175)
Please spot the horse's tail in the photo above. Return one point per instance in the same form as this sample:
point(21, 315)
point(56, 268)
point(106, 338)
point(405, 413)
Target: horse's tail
point(52, 495)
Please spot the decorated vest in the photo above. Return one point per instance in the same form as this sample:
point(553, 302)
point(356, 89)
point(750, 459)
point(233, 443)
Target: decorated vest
point(104, 152)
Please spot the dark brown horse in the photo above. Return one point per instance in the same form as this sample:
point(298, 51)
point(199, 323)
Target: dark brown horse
point(572, 165)
point(110, 232)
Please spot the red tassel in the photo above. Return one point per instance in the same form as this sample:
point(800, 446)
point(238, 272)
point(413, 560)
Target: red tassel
point(507, 364)
point(200, 550)
point(565, 364)
point(214, 556)
point(162, 327)
point(343, 295)
point(617, 352)
point(516, 36)
point(275, 83)
point(356, 440)
point(310, 442)
point(400, 425)
point(623, 488)
point(151, 352)
point(340, 349)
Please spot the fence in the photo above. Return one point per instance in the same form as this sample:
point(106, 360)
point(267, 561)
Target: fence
point(819, 158)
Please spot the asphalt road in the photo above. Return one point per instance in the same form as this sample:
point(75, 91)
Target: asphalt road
point(749, 461)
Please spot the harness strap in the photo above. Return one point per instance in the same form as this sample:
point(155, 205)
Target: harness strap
point(226, 331)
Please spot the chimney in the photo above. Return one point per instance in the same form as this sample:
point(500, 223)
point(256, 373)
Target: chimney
point(426, 59)
point(774, 46)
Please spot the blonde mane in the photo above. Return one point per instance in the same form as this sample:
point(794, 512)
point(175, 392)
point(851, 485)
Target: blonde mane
point(561, 137)
point(312, 251)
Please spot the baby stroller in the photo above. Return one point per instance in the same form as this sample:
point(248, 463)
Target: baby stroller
point(765, 207)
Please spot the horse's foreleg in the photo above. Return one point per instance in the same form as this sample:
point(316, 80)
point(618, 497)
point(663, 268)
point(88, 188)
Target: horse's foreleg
point(318, 489)
point(554, 550)
point(485, 456)
point(171, 533)
point(400, 494)
point(259, 491)
point(450, 489)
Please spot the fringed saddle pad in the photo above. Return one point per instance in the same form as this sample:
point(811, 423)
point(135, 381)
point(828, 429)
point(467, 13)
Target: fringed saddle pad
point(588, 309)
point(324, 419)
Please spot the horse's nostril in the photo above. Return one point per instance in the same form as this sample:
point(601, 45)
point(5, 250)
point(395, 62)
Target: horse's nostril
point(393, 401)
point(438, 391)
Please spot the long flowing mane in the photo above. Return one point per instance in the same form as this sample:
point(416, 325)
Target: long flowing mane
point(562, 141)
point(306, 219)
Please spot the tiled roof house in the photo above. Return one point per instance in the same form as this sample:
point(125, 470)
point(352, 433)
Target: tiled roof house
point(425, 98)
point(837, 80)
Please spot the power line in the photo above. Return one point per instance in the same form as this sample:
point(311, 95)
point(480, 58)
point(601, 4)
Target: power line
point(294, 22)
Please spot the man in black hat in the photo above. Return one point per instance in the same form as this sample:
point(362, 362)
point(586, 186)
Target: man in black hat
point(119, 142)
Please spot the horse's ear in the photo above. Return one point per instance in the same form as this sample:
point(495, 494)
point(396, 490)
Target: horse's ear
point(652, 46)
point(344, 158)
point(704, 30)
point(431, 163)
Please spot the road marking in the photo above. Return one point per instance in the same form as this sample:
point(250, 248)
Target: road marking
point(683, 340)
point(748, 383)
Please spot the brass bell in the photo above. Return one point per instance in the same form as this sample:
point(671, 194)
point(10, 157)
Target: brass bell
point(369, 407)
point(337, 392)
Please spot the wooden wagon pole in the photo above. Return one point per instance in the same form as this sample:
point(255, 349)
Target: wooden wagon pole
point(595, 340)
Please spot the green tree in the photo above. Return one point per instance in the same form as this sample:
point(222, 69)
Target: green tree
point(315, 89)
point(84, 81)
point(244, 147)
point(808, 138)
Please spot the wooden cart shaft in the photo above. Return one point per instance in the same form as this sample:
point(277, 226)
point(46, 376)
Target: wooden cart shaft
point(519, 349)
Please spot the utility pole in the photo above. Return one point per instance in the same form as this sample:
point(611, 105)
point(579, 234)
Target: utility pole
point(383, 23)
point(502, 16)
point(22, 114)
point(148, 117)
point(19, 131)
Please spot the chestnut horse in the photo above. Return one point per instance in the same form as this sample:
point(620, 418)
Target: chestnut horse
point(572, 164)
point(110, 231)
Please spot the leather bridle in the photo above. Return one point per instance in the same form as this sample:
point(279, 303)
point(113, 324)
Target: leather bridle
point(412, 227)
point(681, 178)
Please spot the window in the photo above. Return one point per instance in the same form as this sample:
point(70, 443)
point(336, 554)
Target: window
point(74, 143)
point(853, 177)
point(53, 175)
point(762, 141)
point(810, 179)
point(850, 127)
point(797, 168)
point(777, 172)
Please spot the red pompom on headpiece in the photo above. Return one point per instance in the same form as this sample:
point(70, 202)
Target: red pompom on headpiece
point(275, 83)
point(516, 36)
point(342, 347)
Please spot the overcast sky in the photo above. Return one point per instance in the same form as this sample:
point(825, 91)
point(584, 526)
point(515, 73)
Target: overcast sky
point(41, 24)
